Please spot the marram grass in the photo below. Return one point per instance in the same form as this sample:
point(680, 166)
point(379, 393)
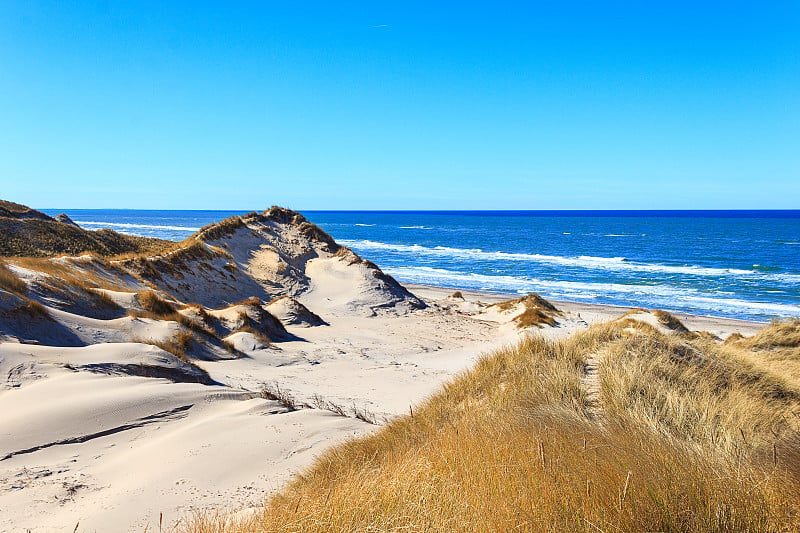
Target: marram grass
point(691, 436)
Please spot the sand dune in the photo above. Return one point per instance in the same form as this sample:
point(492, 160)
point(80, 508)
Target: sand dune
point(216, 371)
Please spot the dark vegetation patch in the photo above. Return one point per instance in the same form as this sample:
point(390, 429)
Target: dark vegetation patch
point(36, 237)
point(218, 230)
point(14, 210)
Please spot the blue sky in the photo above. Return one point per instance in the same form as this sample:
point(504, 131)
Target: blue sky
point(400, 105)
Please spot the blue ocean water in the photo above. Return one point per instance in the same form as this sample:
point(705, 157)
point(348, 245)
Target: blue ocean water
point(739, 264)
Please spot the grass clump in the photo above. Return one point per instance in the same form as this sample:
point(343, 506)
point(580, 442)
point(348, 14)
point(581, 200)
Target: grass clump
point(218, 230)
point(533, 316)
point(536, 311)
point(34, 309)
point(670, 321)
point(178, 345)
point(273, 391)
point(695, 436)
point(10, 281)
point(261, 336)
point(779, 334)
point(153, 303)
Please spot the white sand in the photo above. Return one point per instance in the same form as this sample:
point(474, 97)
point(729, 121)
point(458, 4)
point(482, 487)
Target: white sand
point(173, 448)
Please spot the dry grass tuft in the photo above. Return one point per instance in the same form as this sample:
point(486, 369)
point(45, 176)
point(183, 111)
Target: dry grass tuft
point(536, 311)
point(178, 345)
point(531, 300)
point(34, 309)
point(218, 230)
point(785, 334)
point(695, 436)
point(253, 300)
point(11, 282)
point(153, 303)
point(176, 261)
point(104, 300)
point(273, 391)
point(261, 336)
point(201, 312)
point(670, 321)
point(532, 316)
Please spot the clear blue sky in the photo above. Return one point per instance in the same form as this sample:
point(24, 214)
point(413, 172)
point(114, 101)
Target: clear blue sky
point(400, 105)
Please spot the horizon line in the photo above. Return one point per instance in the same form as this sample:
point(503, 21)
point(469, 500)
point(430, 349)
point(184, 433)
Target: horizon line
point(559, 210)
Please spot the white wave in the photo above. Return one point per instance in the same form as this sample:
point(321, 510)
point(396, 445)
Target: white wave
point(521, 284)
point(134, 226)
point(415, 227)
point(728, 303)
point(619, 264)
point(657, 295)
point(365, 225)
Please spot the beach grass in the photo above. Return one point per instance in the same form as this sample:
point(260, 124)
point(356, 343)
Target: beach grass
point(687, 435)
point(10, 281)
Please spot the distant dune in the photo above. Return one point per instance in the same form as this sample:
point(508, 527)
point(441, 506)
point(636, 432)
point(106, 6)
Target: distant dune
point(27, 232)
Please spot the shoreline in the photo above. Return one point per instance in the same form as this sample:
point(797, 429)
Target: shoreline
point(592, 312)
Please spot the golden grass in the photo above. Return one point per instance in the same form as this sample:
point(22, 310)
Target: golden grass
point(694, 437)
point(218, 230)
point(176, 261)
point(153, 303)
point(532, 316)
point(536, 311)
point(784, 334)
point(10, 281)
point(95, 273)
point(260, 335)
point(34, 309)
point(670, 321)
point(177, 345)
point(157, 308)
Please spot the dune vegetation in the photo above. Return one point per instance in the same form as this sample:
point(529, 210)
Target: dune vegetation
point(663, 432)
point(10, 281)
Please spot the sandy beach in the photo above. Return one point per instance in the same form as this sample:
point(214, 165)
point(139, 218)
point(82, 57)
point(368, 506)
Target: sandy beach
point(84, 447)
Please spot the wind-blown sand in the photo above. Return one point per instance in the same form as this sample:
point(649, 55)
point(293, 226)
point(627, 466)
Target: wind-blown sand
point(115, 435)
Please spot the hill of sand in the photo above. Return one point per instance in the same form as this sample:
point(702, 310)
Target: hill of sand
point(136, 390)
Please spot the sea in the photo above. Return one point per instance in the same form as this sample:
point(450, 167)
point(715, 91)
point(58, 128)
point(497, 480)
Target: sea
point(734, 264)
